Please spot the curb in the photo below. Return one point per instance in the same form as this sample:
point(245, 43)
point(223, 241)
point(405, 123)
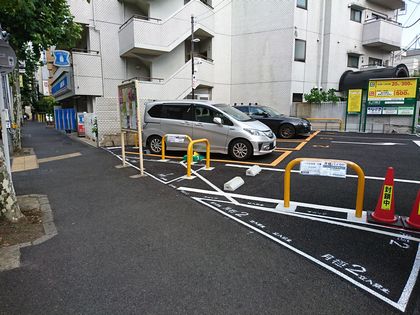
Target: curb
point(10, 256)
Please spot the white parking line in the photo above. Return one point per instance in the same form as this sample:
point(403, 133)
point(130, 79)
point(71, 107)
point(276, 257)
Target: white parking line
point(305, 216)
point(404, 298)
point(408, 181)
point(400, 305)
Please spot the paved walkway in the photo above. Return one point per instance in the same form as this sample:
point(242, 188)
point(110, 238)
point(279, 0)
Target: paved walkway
point(134, 246)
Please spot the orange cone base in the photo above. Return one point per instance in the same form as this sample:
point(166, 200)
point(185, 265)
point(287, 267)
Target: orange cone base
point(384, 220)
point(410, 225)
point(392, 222)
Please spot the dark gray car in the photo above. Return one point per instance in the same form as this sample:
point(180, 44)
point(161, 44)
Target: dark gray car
point(283, 126)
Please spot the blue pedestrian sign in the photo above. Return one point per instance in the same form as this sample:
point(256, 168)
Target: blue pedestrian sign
point(61, 58)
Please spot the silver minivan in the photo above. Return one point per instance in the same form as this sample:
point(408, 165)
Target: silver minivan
point(228, 130)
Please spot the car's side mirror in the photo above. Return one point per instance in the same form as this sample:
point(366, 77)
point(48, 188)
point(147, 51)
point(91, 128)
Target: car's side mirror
point(217, 120)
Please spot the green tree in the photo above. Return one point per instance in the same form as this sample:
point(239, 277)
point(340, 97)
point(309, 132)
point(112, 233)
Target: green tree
point(46, 105)
point(43, 23)
point(318, 96)
point(33, 25)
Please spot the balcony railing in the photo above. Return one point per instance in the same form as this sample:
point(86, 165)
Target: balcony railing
point(146, 79)
point(86, 51)
point(382, 33)
point(178, 85)
point(150, 36)
point(140, 17)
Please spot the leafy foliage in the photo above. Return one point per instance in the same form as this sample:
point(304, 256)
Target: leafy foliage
point(319, 96)
point(35, 25)
point(43, 23)
point(28, 91)
point(95, 127)
point(46, 105)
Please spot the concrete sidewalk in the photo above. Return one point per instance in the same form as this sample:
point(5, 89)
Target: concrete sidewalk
point(134, 246)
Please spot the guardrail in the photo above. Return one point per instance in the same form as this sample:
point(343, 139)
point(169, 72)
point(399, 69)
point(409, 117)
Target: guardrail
point(327, 120)
point(171, 135)
point(86, 51)
point(144, 79)
point(190, 154)
point(140, 17)
point(354, 166)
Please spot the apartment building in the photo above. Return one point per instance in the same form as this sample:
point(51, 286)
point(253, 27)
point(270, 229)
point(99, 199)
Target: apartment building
point(412, 59)
point(270, 52)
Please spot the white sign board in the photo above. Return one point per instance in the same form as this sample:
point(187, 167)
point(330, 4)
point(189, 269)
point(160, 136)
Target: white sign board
point(323, 168)
point(45, 88)
point(173, 138)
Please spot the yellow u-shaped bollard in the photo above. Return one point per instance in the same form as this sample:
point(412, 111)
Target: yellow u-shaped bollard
point(354, 166)
point(163, 143)
point(190, 154)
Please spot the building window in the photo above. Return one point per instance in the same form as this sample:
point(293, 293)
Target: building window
point(303, 4)
point(353, 61)
point(375, 62)
point(300, 50)
point(356, 15)
point(297, 97)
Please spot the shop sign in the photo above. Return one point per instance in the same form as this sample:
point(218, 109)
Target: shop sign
point(61, 86)
point(81, 124)
point(61, 58)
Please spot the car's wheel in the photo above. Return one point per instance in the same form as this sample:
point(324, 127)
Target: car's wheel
point(287, 131)
point(240, 149)
point(154, 144)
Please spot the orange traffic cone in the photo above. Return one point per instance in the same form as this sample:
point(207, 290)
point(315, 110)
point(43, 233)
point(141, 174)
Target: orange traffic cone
point(385, 208)
point(414, 219)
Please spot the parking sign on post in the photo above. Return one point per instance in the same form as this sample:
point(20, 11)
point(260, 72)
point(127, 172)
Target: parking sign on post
point(130, 119)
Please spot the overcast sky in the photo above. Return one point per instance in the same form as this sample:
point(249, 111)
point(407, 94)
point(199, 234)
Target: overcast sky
point(412, 15)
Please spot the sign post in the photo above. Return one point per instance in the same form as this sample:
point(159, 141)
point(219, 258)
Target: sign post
point(354, 105)
point(130, 118)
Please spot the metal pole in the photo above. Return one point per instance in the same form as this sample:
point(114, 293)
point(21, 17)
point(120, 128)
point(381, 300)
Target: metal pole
point(139, 129)
point(192, 56)
point(5, 136)
point(123, 148)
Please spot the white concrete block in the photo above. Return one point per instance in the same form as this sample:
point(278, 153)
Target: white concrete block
point(253, 171)
point(291, 208)
point(233, 184)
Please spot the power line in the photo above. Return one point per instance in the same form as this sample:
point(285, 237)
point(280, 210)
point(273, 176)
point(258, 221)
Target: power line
point(406, 21)
point(214, 12)
point(412, 24)
point(214, 8)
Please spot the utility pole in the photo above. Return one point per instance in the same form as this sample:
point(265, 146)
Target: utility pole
point(192, 58)
point(5, 123)
point(7, 65)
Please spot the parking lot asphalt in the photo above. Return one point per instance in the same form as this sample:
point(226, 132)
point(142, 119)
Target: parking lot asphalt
point(379, 260)
point(166, 245)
